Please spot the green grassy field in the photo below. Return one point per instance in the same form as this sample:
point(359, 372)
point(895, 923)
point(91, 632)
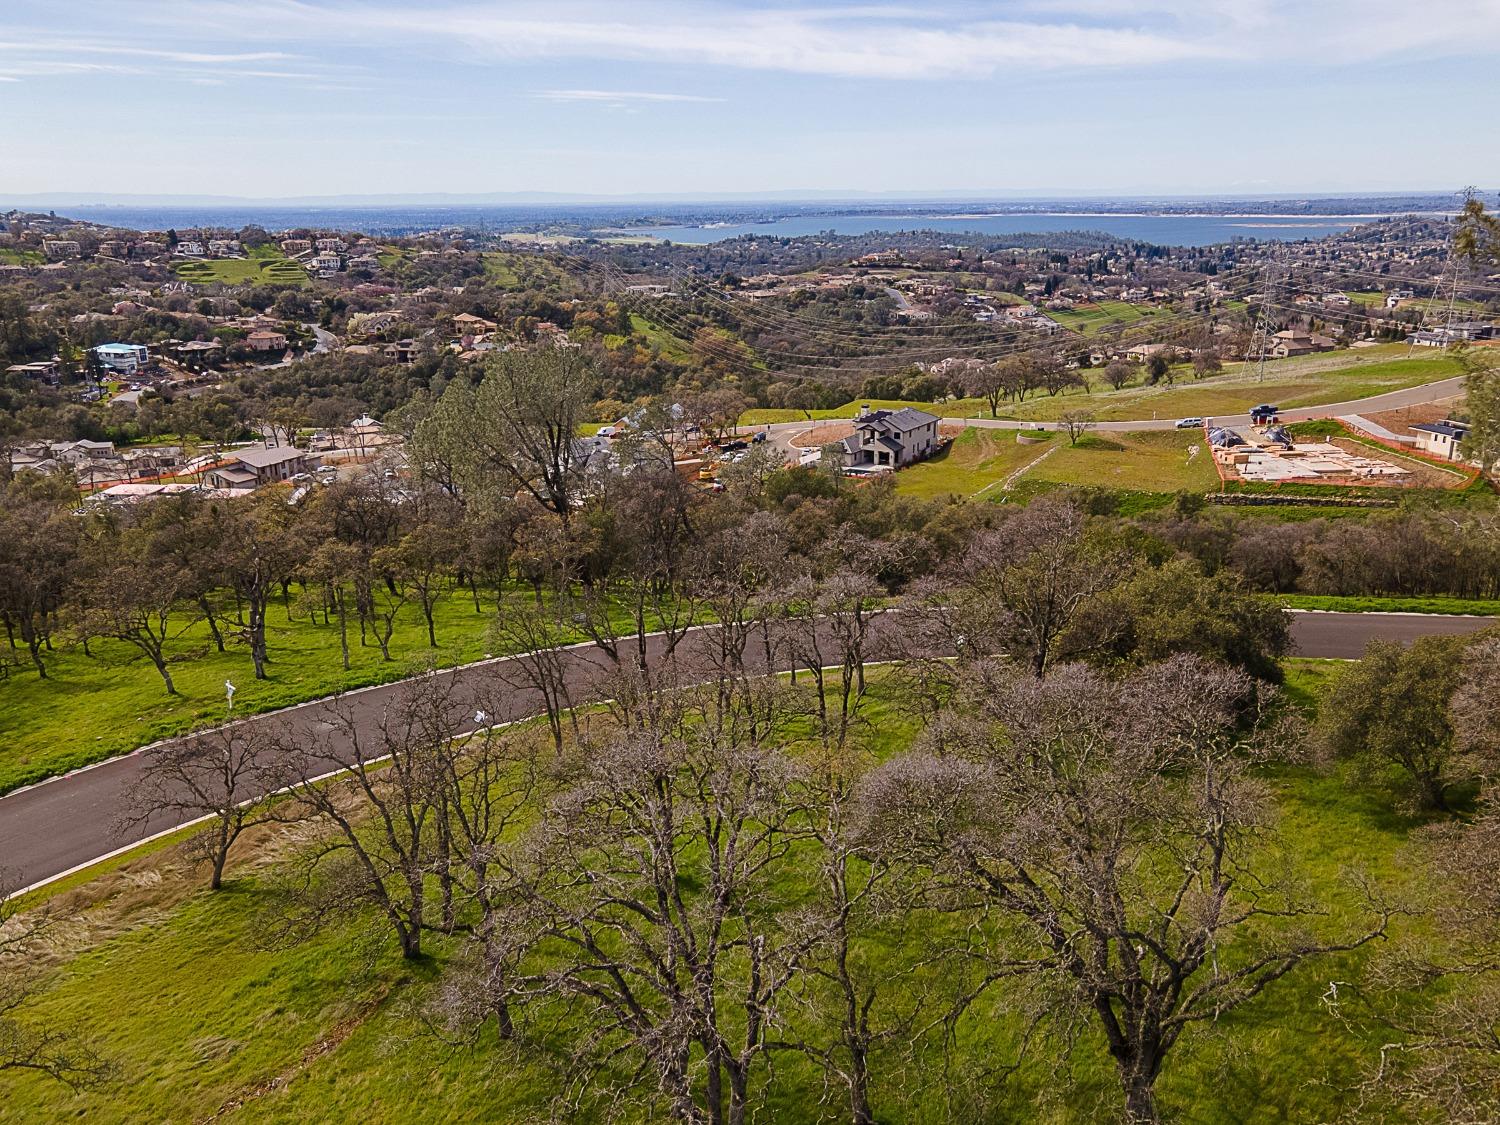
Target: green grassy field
point(977, 460)
point(659, 338)
point(260, 268)
point(1147, 462)
point(92, 708)
point(511, 270)
point(1089, 319)
point(10, 256)
point(1477, 606)
point(200, 1013)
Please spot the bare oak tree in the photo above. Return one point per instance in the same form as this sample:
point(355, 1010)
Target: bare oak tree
point(1114, 822)
point(653, 919)
point(226, 777)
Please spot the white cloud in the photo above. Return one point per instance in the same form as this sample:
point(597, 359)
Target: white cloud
point(964, 39)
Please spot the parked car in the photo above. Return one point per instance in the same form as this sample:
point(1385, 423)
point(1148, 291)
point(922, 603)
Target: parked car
point(1189, 423)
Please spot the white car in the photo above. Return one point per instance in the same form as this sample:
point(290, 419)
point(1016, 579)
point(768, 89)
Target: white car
point(1189, 423)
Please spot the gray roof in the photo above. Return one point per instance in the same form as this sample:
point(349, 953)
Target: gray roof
point(266, 457)
point(901, 421)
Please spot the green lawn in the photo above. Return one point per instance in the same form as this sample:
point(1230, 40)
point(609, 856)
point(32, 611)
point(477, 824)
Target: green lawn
point(662, 340)
point(1090, 318)
point(92, 708)
point(181, 989)
point(10, 256)
point(261, 268)
point(1146, 462)
point(976, 461)
point(1478, 606)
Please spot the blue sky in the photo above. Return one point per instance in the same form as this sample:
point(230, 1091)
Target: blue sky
point(304, 97)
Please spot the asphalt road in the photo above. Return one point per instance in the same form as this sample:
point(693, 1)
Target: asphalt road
point(58, 826)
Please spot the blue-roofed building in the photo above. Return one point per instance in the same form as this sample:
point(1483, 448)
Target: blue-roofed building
point(124, 358)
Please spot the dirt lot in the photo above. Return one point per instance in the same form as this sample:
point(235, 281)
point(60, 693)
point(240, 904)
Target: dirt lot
point(1401, 421)
point(1423, 474)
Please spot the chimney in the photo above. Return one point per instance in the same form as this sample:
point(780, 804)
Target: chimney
point(864, 408)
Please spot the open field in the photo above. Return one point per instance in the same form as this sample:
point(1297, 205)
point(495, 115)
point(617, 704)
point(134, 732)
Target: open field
point(241, 271)
point(975, 461)
point(1143, 462)
point(1090, 318)
point(512, 270)
point(1304, 381)
point(200, 1013)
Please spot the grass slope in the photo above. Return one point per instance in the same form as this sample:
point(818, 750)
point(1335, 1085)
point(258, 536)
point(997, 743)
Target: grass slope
point(1147, 462)
point(1090, 318)
point(182, 990)
point(264, 267)
point(977, 460)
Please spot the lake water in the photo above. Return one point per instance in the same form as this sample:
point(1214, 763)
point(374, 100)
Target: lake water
point(1163, 230)
point(1166, 230)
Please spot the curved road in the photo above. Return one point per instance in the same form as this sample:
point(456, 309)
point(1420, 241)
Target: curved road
point(59, 826)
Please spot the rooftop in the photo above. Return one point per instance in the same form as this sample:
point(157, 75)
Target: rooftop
point(264, 458)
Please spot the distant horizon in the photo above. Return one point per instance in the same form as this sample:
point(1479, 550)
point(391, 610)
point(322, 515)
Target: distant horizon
point(55, 199)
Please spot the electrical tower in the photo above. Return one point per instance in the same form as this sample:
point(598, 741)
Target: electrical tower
point(1260, 340)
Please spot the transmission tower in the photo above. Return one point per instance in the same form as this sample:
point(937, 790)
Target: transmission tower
point(1260, 340)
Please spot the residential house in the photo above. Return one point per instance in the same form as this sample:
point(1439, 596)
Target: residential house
point(1428, 338)
point(189, 249)
point(77, 452)
point(153, 460)
point(1442, 439)
point(372, 322)
point(1455, 333)
point(331, 245)
point(195, 353)
point(466, 324)
point(1299, 341)
point(327, 263)
point(58, 249)
point(45, 370)
point(402, 351)
point(295, 246)
point(125, 359)
point(252, 468)
point(889, 439)
point(264, 340)
point(224, 247)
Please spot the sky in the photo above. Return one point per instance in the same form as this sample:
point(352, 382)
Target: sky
point(283, 98)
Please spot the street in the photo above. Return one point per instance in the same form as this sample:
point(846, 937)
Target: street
point(57, 826)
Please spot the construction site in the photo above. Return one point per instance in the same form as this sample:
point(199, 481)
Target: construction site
point(1272, 454)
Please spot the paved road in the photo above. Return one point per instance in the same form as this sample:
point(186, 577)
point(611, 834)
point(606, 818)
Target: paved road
point(57, 826)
